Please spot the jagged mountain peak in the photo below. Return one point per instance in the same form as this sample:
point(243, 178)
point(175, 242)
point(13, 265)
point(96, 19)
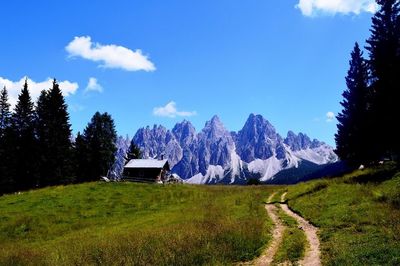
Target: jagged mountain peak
point(215, 122)
point(300, 141)
point(316, 143)
point(215, 129)
point(215, 119)
point(184, 124)
point(184, 132)
point(258, 140)
point(258, 125)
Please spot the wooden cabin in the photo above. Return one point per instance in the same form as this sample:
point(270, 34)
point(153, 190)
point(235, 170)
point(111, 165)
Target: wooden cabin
point(146, 170)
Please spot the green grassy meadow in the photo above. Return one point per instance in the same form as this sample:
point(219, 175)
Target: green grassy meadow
point(129, 223)
point(358, 216)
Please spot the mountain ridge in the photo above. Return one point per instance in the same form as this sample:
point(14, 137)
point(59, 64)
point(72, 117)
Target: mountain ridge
point(215, 155)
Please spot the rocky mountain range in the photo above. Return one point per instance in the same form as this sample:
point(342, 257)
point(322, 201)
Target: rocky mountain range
point(216, 155)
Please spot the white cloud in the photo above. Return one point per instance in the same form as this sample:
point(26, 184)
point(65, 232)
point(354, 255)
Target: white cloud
point(110, 56)
point(169, 110)
point(93, 86)
point(14, 88)
point(318, 7)
point(330, 116)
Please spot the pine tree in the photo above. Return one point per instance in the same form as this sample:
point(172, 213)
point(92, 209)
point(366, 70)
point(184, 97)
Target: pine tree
point(23, 121)
point(133, 152)
point(352, 140)
point(81, 159)
point(5, 114)
point(384, 63)
point(6, 145)
point(99, 139)
point(54, 132)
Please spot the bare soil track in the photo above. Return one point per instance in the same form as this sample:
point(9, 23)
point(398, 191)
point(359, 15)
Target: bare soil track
point(268, 256)
point(312, 255)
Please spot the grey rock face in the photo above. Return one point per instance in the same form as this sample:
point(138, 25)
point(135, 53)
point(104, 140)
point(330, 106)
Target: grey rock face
point(158, 141)
point(118, 166)
point(215, 144)
point(257, 139)
point(301, 142)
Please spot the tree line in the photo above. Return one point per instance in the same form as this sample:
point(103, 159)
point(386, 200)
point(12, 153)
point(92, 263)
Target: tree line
point(367, 126)
point(37, 148)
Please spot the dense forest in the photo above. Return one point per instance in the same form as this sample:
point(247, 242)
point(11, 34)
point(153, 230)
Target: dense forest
point(37, 148)
point(367, 128)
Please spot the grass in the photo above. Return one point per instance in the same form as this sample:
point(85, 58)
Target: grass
point(127, 223)
point(294, 241)
point(278, 193)
point(358, 215)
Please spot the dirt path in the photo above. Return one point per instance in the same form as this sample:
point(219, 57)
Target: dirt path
point(312, 256)
point(268, 255)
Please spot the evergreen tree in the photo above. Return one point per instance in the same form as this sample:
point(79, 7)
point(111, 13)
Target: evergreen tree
point(352, 140)
point(99, 139)
point(6, 145)
point(133, 152)
point(81, 158)
point(384, 63)
point(54, 133)
point(23, 120)
point(5, 114)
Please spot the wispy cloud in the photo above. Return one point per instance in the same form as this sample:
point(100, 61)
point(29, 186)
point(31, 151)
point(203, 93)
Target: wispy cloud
point(76, 107)
point(110, 56)
point(330, 116)
point(324, 7)
point(14, 87)
point(170, 110)
point(93, 85)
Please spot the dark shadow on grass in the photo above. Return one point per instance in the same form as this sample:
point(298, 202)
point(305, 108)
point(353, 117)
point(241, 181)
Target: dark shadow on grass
point(378, 176)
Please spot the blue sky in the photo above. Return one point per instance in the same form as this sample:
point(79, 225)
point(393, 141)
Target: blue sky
point(159, 62)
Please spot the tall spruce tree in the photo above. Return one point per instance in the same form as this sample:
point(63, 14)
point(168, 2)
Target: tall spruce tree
point(81, 159)
point(5, 114)
point(6, 145)
point(352, 140)
point(54, 136)
point(384, 64)
point(99, 139)
point(23, 124)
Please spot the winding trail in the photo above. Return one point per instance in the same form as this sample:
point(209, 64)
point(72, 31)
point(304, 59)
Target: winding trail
point(268, 256)
point(312, 256)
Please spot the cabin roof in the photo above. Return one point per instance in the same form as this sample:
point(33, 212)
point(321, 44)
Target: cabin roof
point(146, 163)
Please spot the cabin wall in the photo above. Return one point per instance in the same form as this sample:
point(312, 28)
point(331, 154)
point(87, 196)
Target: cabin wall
point(145, 174)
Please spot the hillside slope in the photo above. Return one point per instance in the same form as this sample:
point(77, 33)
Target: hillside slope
point(358, 216)
point(124, 223)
